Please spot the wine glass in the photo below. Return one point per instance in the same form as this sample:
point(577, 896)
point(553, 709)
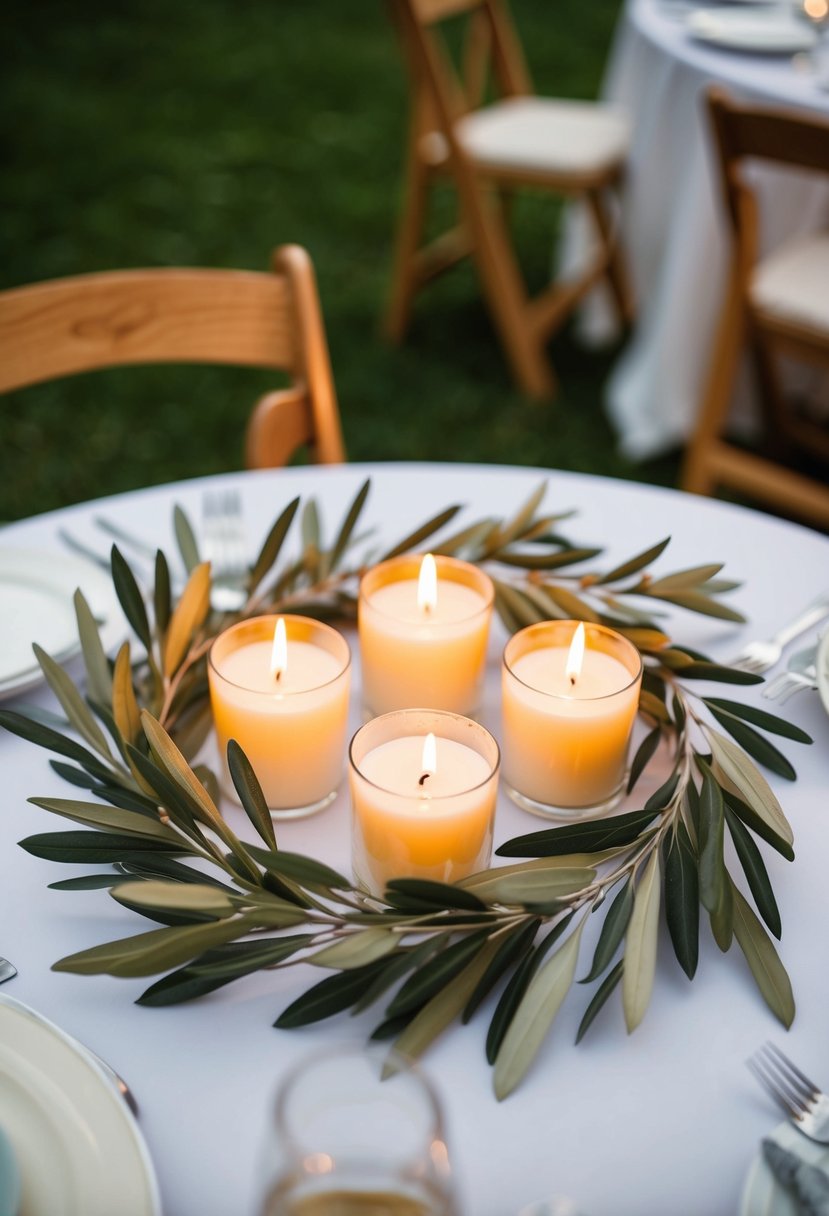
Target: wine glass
point(355, 1133)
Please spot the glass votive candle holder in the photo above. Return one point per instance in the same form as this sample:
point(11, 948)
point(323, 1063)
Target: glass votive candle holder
point(419, 647)
point(423, 791)
point(566, 733)
point(288, 712)
point(356, 1132)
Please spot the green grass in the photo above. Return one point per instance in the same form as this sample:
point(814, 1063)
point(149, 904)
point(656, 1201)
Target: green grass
point(149, 133)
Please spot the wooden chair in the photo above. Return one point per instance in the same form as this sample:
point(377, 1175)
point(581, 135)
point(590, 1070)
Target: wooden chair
point(778, 305)
point(241, 318)
point(570, 148)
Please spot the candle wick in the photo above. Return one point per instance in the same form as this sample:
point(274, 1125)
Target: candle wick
point(278, 675)
point(423, 778)
point(573, 681)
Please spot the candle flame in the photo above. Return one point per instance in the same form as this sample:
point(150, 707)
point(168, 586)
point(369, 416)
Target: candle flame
point(279, 654)
point(817, 10)
point(575, 657)
point(429, 763)
point(427, 584)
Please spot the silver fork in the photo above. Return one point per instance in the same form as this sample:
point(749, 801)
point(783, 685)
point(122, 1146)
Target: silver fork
point(799, 1097)
point(224, 546)
point(787, 683)
point(759, 656)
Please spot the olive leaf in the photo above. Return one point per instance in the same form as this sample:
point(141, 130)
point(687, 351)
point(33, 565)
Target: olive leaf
point(76, 709)
point(186, 539)
point(682, 899)
point(355, 950)
point(445, 1006)
point(613, 930)
point(749, 782)
point(541, 1002)
point(640, 946)
point(129, 596)
point(762, 958)
point(99, 681)
point(188, 616)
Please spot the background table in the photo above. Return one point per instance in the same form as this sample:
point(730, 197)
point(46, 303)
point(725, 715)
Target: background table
point(672, 226)
point(667, 1120)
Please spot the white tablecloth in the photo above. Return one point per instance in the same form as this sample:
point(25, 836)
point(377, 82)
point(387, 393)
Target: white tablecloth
point(666, 1121)
point(673, 229)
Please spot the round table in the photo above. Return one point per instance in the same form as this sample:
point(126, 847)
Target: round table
point(667, 1120)
point(673, 228)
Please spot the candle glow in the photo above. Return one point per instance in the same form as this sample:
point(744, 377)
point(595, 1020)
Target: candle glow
point(427, 585)
point(429, 763)
point(575, 655)
point(279, 654)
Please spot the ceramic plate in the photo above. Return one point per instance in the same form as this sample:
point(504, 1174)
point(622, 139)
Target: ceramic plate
point(762, 1193)
point(765, 31)
point(822, 668)
point(78, 1149)
point(36, 590)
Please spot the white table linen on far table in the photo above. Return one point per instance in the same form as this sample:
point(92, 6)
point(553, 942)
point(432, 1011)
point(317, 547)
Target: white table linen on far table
point(664, 1121)
point(673, 227)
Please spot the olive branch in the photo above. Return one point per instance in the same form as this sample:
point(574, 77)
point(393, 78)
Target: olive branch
point(431, 953)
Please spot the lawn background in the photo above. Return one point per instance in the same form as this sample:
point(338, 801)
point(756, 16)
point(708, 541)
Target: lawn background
point(206, 133)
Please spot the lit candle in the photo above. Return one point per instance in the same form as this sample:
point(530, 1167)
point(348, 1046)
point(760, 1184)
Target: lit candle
point(423, 626)
point(279, 687)
point(569, 699)
point(423, 790)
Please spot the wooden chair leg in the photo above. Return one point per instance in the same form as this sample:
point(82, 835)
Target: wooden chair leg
point(775, 414)
point(617, 272)
point(405, 279)
point(506, 294)
point(697, 472)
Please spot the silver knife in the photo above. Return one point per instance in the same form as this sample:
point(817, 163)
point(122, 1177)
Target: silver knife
point(808, 1185)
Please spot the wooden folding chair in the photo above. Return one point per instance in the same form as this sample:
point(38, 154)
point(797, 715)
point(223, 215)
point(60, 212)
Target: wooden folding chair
point(570, 148)
point(241, 318)
point(777, 305)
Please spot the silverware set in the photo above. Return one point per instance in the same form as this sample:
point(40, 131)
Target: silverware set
point(760, 656)
point(224, 545)
point(804, 1103)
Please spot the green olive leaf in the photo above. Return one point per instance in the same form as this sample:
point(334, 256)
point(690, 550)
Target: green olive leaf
point(541, 1002)
point(640, 948)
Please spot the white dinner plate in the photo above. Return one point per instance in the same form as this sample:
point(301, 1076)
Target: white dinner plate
point(762, 1193)
point(78, 1149)
point(767, 31)
point(36, 590)
point(822, 669)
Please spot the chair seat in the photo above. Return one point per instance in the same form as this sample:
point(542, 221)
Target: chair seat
point(792, 285)
point(542, 135)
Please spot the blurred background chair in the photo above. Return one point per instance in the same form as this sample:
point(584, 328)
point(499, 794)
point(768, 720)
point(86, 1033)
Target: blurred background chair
point(240, 318)
point(777, 305)
point(571, 148)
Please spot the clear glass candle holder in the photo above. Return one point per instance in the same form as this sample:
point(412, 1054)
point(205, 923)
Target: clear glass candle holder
point(423, 656)
point(416, 820)
point(292, 728)
point(356, 1133)
point(566, 739)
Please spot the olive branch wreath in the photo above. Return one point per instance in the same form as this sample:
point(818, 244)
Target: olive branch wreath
point(431, 952)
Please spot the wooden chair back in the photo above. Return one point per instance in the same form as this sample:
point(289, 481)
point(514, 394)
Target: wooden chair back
point(490, 47)
point(745, 135)
point(491, 78)
point(233, 317)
